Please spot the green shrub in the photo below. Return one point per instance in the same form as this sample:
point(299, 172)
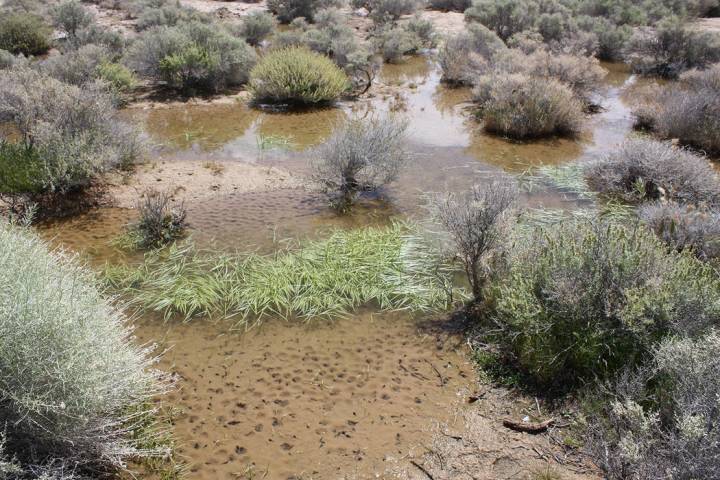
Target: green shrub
point(119, 78)
point(583, 299)
point(71, 17)
point(504, 17)
point(256, 26)
point(76, 133)
point(671, 48)
point(611, 37)
point(24, 33)
point(385, 267)
point(641, 170)
point(520, 106)
point(296, 75)
point(70, 374)
point(289, 10)
point(21, 169)
point(662, 421)
point(192, 56)
point(383, 11)
point(169, 15)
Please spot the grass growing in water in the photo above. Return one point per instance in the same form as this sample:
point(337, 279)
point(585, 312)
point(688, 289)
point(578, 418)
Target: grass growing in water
point(388, 267)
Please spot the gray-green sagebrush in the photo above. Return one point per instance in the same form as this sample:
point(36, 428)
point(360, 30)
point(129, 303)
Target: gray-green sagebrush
point(390, 267)
point(72, 382)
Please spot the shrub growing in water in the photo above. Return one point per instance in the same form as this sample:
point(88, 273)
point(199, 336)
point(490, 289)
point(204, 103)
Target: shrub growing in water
point(504, 17)
point(192, 56)
point(24, 33)
point(361, 156)
point(296, 75)
point(462, 55)
point(70, 374)
point(641, 170)
point(477, 224)
point(160, 222)
point(522, 106)
point(584, 299)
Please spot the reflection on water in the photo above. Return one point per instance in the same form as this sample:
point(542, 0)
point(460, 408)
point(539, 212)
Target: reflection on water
point(450, 152)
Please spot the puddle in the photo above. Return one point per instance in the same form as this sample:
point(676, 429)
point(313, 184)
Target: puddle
point(340, 400)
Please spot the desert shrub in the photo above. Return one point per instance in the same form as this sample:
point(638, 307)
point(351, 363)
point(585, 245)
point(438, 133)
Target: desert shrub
point(361, 156)
point(642, 169)
point(462, 55)
point(684, 227)
point(117, 76)
point(611, 37)
point(192, 56)
point(72, 380)
point(297, 75)
point(662, 421)
point(70, 17)
point(160, 221)
point(450, 5)
point(289, 10)
point(688, 111)
point(389, 268)
point(383, 11)
point(24, 33)
point(583, 299)
point(671, 48)
point(477, 224)
point(77, 67)
point(582, 74)
point(169, 15)
point(256, 26)
point(7, 59)
point(393, 42)
point(504, 17)
point(75, 132)
point(520, 106)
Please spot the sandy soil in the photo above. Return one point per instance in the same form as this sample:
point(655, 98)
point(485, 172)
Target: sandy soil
point(708, 24)
point(358, 398)
point(197, 180)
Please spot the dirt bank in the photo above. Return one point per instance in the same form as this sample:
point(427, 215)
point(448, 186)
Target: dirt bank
point(190, 181)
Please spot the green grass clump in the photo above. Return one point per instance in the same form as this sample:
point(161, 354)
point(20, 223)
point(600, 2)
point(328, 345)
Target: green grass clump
point(296, 75)
point(387, 267)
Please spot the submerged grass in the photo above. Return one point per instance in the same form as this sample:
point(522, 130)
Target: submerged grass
point(388, 267)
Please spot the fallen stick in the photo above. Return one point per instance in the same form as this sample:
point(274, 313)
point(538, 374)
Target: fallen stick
point(528, 427)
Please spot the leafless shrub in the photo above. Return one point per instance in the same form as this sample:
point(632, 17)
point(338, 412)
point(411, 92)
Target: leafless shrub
point(642, 169)
point(685, 227)
point(688, 111)
point(361, 156)
point(521, 106)
point(160, 221)
point(477, 222)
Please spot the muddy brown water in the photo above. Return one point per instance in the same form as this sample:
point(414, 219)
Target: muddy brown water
point(350, 398)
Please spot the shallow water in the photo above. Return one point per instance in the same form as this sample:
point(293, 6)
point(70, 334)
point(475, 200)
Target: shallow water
point(339, 400)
